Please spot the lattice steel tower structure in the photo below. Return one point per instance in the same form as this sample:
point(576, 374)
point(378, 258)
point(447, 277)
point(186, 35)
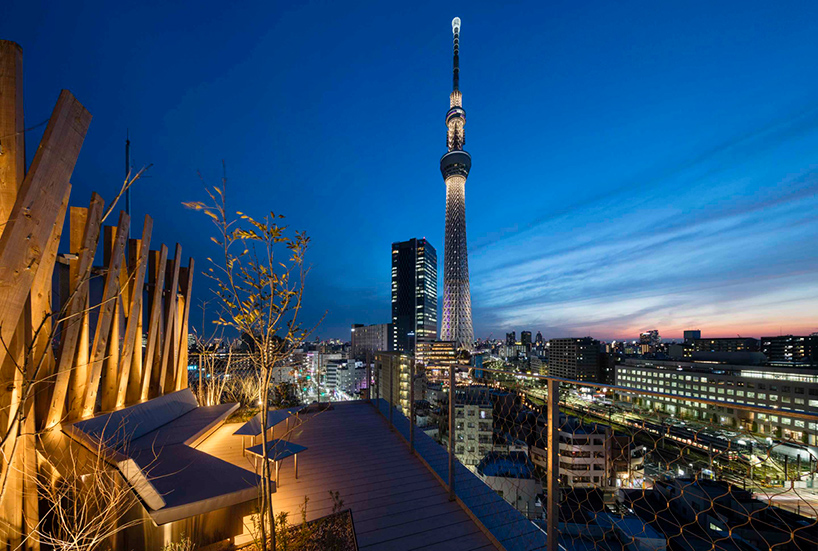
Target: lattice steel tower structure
point(455, 165)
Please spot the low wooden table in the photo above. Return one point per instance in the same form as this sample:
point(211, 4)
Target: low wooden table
point(278, 450)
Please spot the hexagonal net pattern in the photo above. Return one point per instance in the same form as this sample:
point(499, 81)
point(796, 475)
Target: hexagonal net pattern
point(457, 322)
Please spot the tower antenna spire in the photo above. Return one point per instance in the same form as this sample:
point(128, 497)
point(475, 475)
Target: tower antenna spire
point(454, 166)
point(456, 69)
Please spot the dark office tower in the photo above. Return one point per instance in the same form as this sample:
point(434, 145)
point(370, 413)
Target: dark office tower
point(525, 338)
point(511, 338)
point(455, 166)
point(538, 340)
point(414, 293)
point(692, 335)
point(576, 359)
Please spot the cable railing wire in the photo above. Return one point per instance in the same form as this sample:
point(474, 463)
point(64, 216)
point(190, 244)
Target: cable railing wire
point(603, 468)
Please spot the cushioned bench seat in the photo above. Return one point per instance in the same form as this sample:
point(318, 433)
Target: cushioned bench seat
point(151, 444)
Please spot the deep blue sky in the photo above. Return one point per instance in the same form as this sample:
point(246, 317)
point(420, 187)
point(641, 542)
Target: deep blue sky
point(636, 164)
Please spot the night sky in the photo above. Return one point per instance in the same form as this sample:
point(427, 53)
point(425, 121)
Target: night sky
point(636, 165)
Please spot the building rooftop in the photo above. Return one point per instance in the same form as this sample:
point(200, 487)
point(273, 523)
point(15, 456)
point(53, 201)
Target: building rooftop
point(508, 465)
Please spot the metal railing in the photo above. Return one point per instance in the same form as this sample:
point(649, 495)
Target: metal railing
point(604, 463)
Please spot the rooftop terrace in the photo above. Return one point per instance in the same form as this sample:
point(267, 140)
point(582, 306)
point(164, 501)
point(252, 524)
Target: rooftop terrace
point(396, 501)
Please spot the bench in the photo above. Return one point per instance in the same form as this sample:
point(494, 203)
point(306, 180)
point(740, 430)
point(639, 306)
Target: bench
point(153, 446)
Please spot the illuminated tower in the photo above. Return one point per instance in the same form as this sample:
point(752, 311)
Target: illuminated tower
point(455, 165)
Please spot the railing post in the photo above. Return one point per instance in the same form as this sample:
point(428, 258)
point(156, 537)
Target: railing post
point(451, 433)
point(412, 406)
point(377, 388)
point(391, 392)
point(553, 484)
point(368, 379)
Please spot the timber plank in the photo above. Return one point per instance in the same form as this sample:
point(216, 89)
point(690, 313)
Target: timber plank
point(157, 282)
point(186, 286)
point(170, 317)
point(102, 335)
point(135, 309)
point(41, 313)
point(77, 318)
point(36, 208)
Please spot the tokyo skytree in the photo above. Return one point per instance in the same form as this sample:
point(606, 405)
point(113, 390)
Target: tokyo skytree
point(455, 165)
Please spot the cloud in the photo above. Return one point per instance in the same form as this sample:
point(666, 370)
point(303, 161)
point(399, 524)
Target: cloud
point(736, 257)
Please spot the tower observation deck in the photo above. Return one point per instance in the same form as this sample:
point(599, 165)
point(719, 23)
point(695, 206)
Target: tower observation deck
point(455, 166)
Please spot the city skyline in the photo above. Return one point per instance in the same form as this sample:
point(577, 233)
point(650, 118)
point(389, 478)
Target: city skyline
point(638, 168)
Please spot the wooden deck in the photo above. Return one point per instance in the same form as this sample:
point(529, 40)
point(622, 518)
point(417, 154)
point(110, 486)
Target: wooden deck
point(396, 502)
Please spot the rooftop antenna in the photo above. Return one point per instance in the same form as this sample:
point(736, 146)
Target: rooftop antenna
point(127, 175)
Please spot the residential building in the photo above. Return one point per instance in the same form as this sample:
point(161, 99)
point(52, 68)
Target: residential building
point(728, 345)
point(511, 351)
point(474, 426)
point(574, 358)
point(368, 339)
point(351, 377)
point(414, 294)
point(627, 461)
point(585, 454)
point(393, 370)
point(791, 350)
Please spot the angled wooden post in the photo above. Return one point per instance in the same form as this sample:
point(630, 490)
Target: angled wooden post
point(12, 135)
point(158, 261)
point(102, 335)
point(134, 384)
point(35, 212)
point(86, 225)
point(170, 318)
point(132, 340)
point(41, 314)
point(186, 286)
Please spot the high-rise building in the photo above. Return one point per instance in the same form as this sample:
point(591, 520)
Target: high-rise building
point(790, 349)
point(538, 340)
point(455, 165)
point(574, 358)
point(414, 294)
point(525, 338)
point(650, 338)
point(692, 334)
point(368, 339)
point(511, 338)
point(436, 353)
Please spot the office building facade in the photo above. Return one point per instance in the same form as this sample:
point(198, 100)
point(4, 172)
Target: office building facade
point(574, 358)
point(781, 389)
point(414, 294)
point(368, 339)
